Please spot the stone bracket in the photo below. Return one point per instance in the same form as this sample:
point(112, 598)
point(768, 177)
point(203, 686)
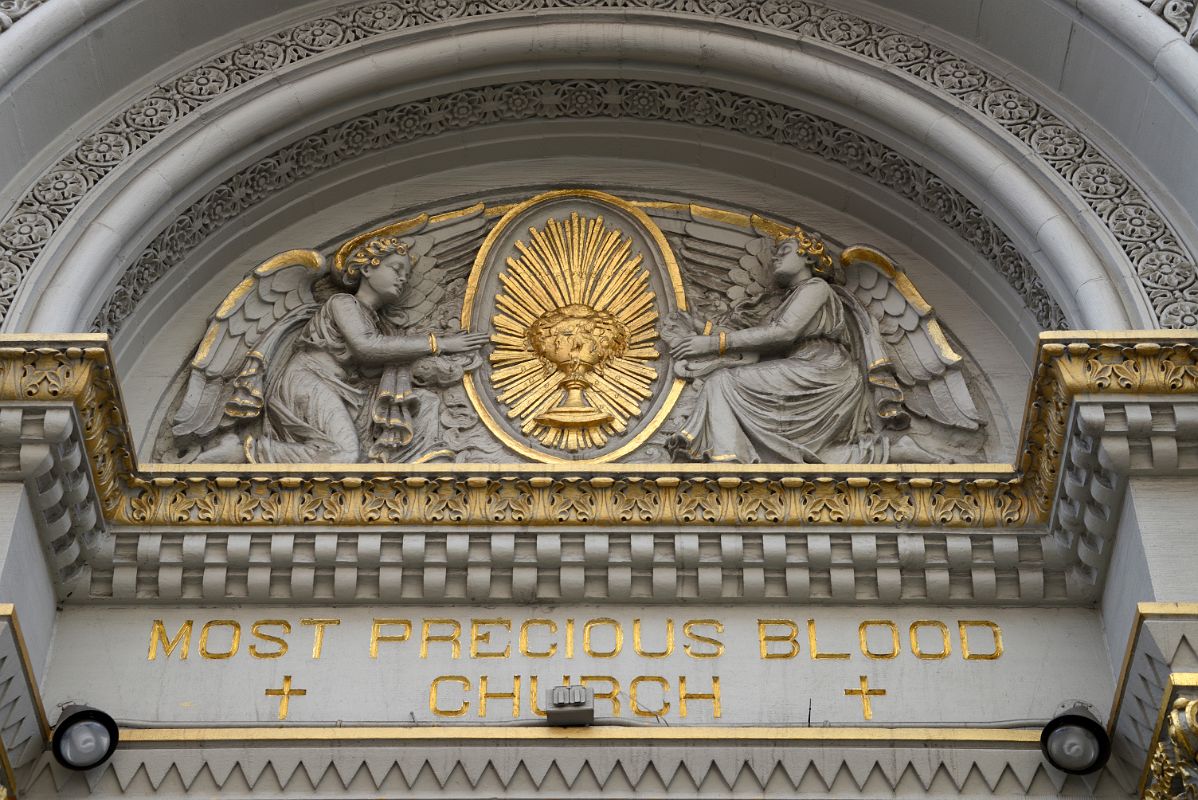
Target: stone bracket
point(1108, 441)
point(41, 445)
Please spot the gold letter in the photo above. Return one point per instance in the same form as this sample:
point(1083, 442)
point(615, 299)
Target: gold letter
point(376, 637)
point(815, 653)
point(569, 638)
point(586, 638)
point(611, 696)
point(452, 638)
point(665, 689)
point(945, 647)
point(233, 645)
point(478, 637)
point(863, 638)
point(432, 696)
point(158, 635)
point(688, 629)
point(528, 623)
point(266, 637)
point(318, 637)
point(513, 695)
point(713, 696)
point(636, 640)
point(964, 624)
point(791, 638)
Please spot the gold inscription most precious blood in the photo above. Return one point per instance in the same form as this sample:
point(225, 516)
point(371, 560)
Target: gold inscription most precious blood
point(599, 638)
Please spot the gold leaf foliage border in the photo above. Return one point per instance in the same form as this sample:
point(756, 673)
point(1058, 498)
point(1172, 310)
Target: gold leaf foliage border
point(78, 370)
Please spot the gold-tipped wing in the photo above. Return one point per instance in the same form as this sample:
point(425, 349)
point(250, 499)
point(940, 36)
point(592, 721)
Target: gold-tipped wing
point(245, 331)
point(929, 372)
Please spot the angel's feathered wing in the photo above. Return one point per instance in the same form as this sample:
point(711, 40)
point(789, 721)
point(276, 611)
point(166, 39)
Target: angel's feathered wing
point(929, 373)
point(723, 256)
point(444, 251)
point(244, 334)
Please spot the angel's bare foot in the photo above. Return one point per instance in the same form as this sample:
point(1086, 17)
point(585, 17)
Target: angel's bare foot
point(227, 450)
point(905, 451)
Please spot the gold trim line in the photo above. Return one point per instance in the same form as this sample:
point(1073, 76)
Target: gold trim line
point(964, 736)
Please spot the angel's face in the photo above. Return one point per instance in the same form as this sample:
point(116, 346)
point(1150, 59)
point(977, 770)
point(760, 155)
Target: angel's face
point(788, 263)
point(390, 277)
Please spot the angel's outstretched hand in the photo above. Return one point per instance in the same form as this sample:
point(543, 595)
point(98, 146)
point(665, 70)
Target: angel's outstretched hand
point(694, 347)
point(462, 342)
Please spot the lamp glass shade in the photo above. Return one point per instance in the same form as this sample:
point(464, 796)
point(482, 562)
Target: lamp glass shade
point(85, 737)
point(85, 743)
point(1073, 748)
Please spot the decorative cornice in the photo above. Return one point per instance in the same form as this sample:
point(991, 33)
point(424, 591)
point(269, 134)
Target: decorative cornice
point(42, 446)
point(1165, 268)
point(77, 369)
point(551, 565)
point(1109, 441)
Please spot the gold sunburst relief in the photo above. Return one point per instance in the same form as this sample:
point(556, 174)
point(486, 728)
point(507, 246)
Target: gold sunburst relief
point(574, 334)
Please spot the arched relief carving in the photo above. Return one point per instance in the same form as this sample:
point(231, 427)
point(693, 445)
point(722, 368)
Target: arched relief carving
point(1162, 264)
point(577, 326)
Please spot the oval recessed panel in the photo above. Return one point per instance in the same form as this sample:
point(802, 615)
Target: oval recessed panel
point(573, 286)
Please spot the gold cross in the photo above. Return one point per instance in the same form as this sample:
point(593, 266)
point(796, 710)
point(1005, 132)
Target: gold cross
point(865, 692)
point(285, 693)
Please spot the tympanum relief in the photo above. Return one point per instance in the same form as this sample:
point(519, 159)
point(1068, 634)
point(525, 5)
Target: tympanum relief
point(576, 327)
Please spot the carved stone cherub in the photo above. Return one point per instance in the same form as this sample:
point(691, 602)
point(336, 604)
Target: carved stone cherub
point(303, 364)
point(833, 368)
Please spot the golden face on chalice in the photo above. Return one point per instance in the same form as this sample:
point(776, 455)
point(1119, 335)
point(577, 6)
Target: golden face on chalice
point(576, 340)
point(575, 334)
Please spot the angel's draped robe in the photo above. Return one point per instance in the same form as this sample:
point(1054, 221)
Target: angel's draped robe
point(804, 402)
point(320, 406)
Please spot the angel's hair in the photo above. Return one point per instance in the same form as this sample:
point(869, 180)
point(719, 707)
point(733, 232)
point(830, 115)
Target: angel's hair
point(370, 255)
point(381, 246)
point(811, 247)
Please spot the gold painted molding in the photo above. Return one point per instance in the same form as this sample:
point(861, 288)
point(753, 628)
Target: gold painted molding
point(1144, 613)
point(77, 369)
point(1173, 758)
point(965, 737)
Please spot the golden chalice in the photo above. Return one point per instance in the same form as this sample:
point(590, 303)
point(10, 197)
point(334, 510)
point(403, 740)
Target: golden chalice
point(576, 340)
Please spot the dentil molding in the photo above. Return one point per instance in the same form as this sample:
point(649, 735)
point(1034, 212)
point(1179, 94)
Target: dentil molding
point(1099, 410)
